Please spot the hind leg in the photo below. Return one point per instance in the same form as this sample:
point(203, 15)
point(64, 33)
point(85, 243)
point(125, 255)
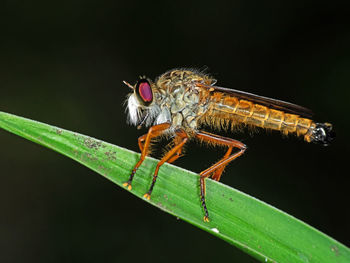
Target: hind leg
point(217, 169)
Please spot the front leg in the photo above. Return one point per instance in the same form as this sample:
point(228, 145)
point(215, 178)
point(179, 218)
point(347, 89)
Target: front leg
point(144, 143)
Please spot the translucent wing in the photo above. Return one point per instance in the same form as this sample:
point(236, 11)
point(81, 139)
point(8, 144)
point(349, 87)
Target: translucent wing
point(268, 102)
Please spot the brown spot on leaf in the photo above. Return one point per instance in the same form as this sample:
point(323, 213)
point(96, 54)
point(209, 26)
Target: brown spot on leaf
point(92, 143)
point(335, 249)
point(111, 155)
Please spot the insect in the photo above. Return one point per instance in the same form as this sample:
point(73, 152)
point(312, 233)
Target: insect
point(179, 103)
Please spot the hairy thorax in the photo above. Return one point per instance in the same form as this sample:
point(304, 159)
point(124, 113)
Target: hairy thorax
point(180, 101)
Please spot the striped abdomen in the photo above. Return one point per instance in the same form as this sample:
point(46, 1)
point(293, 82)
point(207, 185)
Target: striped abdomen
point(240, 111)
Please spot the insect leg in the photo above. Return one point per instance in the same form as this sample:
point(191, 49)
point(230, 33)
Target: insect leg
point(177, 140)
point(178, 154)
point(218, 167)
point(217, 174)
point(144, 142)
point(170, 156)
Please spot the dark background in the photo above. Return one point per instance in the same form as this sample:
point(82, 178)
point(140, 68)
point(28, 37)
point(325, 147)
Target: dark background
point(63, 64)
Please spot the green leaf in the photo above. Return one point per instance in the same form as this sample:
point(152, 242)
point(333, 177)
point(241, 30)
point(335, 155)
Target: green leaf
point(261, 230)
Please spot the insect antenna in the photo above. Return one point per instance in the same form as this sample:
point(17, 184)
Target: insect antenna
point(129, 85)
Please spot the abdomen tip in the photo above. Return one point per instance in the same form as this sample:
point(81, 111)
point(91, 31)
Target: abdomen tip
point(323, 134)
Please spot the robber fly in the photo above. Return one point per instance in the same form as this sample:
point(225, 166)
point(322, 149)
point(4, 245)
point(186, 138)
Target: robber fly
point(182, 101)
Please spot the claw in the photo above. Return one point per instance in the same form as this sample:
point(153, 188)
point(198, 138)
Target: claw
point(127, 185)
point(147, 196)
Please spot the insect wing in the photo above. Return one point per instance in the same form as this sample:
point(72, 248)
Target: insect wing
point(268, 102)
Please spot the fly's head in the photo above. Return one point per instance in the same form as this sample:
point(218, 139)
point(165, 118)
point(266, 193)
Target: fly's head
point(141, 106)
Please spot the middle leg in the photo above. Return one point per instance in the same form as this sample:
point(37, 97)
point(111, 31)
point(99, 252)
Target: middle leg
point(169, 157)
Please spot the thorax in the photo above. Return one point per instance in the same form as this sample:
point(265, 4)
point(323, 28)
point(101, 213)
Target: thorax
point(181, 102)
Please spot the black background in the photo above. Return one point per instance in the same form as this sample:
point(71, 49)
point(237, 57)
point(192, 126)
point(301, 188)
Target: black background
point(63, 63)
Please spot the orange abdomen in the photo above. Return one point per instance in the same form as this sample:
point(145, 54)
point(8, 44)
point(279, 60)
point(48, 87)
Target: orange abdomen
point(239, 111)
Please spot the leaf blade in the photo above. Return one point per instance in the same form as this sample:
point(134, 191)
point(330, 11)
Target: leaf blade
point(261, 230)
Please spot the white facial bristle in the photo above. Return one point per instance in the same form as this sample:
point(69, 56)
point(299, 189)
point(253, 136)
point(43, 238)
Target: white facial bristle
point(133, 110)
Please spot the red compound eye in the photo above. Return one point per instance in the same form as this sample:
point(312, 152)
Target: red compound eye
point(144, 90)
